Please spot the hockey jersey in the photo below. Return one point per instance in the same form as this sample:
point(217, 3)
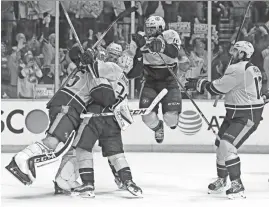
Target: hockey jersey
point(156, 66)
point(241, 84)
point(111, 83)
point(76, 92)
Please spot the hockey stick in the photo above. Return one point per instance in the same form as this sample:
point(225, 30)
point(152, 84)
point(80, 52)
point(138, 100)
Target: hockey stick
point(188, 95)
point(236, 39)
point(121, 15)
point(45, 159)
point(134, 112)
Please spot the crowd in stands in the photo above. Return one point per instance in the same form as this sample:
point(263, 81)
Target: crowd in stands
point(28, 37)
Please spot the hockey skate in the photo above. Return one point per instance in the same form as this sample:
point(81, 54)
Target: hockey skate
point(159, 133)
point(236, 190)
point(217, 186)
point(14, 169)
point(133, 188)
point(84, 191)
point(118, 182)
point(59, 191)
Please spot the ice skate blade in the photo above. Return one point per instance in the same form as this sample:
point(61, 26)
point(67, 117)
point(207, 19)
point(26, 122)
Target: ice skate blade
point(137, 194)
point(237, 195)
point(15, 171)
point(86, 194)
point(215, 191)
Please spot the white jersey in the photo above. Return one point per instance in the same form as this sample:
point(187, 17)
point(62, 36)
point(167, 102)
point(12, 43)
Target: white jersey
point(110, 73)
point(241, 85)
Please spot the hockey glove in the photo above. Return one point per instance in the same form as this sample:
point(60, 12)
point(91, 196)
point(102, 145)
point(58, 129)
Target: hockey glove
point(139, 40)
point(88, 57)
point(122, 114)
point(196, 84)
point(266, 98)
point(157, 45)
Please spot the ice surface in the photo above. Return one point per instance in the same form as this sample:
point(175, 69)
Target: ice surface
point(167, 179)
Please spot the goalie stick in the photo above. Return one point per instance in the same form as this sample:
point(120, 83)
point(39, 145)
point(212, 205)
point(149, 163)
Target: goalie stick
point(134, 112)
point(121, 15)
point(40, 160)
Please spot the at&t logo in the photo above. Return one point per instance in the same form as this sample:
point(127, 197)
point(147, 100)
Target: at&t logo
point(190, 122)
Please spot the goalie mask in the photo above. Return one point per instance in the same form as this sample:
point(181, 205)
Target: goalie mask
point(114, 51)
point(154, 25)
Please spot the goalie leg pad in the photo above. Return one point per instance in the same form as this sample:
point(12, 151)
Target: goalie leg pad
point(151, 120)
point(23, 156)
point(67, 175)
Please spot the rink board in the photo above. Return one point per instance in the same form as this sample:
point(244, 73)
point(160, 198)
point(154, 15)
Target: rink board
point(25, 121)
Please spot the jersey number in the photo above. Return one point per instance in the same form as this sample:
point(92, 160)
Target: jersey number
point(258, 81)
point(121, 91)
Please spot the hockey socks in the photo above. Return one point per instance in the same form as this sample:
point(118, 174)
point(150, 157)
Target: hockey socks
point(222, 171)
point(233, 167)
point(159, 132)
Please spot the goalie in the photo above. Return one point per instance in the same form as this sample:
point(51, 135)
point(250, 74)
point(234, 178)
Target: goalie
point(109, 92)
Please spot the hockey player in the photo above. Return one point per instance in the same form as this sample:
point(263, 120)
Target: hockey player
point(105, 129)
point(158, 45)
point(109, 90)
point(64, 114)
point(244, 104)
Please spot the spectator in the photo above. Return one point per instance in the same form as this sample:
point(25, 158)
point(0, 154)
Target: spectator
point(8, 22)
point(29, 73)
point(265, 54)
point(220, 62)
point(170, 11)
point(48, 43)
point(13, 64)
point(48, 76)
point(5, 73)
point(198, 58)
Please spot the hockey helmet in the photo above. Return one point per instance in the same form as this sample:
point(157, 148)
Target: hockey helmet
point(114, 51)
point(244, 46)
point(154, 25)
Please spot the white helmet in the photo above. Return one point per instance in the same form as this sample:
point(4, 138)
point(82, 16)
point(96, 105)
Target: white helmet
point(244, 46)
point(114, 48)
point(155, 22)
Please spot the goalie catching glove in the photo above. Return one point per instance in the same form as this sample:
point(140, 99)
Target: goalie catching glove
point(196, 84)
point(122, 113)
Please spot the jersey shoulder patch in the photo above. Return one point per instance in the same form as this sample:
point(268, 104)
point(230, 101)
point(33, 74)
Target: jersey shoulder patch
point(171, 37)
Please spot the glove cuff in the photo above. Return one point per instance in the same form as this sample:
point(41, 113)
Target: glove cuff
point(200, 87)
